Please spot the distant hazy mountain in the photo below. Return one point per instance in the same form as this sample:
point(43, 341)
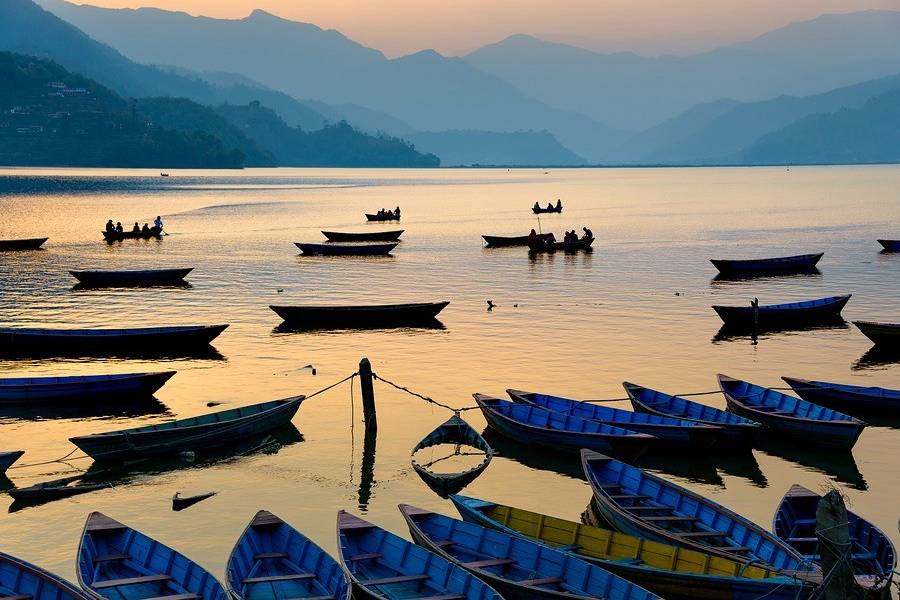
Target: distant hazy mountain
point(633, 92)
point(425, 90)
point(869, 134)
point(522, 148)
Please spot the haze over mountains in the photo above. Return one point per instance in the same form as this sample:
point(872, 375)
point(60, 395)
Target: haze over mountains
point(519, 101)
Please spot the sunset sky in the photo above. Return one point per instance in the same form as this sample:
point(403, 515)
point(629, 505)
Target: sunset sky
point(403, 26)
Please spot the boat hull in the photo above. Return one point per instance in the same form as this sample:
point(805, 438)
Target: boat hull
point(339, 250)
point(544, 211)
point(87, 387)
point(365, 316)
point(890, 245)
point(177, 339)
point(370, 236)
point(884, 335)
point(457, 432)
point(385, 217)
point(784, 315)
point(499, 241)
point(23, 244)
point(851, 399)
point(113, 236)
point(144, 277)
point(20, 578)
point(539, 246)
point(8, 458)
point(784, 264)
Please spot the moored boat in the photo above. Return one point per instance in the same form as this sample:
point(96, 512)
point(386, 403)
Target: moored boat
point(457, 432)
point(546, 209)
point(118, 236)
point(387, 216)
point(346, 250)
point(890, 245)
point(813, 424)
point(788, 314)
point(643, 505)
point(179, 338)
point(367, 316)
point(133, 277)
point(884, 335)
point(117, 562)
point(32, 390)
point(8, 458)
point(272, 560)
point(383, 566)
point(782, 264)
point(21, 580)
point(872, 554)
point(855, 400)
point(672, 572)
point(368, 236)
point(191, 433)
point(536, 426)
point(515, 566)
point(22, 244)
point(55, 489)
point(539, 245)
point(499, 241)
point(668, 429)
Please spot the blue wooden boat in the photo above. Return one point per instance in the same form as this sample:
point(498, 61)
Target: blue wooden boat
point(457, 432)
point(8, 458)
point(363, 315)
point(698, 435)
point(273, 560)
point(32, 390)
point(120, 563)
point(179, 338)
point(813, 424)
point(873, 555)
point(890, 245)
point(885, 336)
point(368, 236)
point(644, 505)
point(533, 425)
point(735, 430)
point(809, 312)
point(855, 400)
point(383, 566)
point(22, 244)
point(346, 249)
point(20, 580)
point(514, 566)
point(192, 433)
point(672, 572)
point(132, 277)
point(782, 264)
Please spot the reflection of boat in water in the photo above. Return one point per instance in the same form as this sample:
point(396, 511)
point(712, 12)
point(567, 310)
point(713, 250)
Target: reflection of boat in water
point(876, 357)
point(741, 464)
point(696, 467)
point(839, 465)
point(287, 328)
point(727, 333)
point(531, 457)
point(729, 277)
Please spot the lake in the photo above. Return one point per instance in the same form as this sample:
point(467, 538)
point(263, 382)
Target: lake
point(636, 309)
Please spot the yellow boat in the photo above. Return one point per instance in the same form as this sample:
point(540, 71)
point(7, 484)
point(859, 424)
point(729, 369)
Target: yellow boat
point(668, 571)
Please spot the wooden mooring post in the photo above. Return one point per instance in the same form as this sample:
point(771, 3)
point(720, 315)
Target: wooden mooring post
point(368, 395)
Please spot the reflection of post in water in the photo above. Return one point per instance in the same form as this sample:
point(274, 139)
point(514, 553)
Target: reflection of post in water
point(367, 468)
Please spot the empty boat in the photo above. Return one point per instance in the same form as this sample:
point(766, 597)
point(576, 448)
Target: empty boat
point(806, 422)
point(782, 264)
point(34, 390)
point(809, 312)
point(373, 315)
point(367, 236)
point(853, 400)
point(117, 562)
point(641, 504)
point(383, 566)
point(346, 250)
point(500, 241)
point(20, 580)
point(178, 339)
point(884, 335)
point(192, 433)
point(734, 430)
point(872, 552)
point(515, 566)
point(890, 245)
point(668, 429)
point(8, 458)
point(457, 432)
point(273, 560)
point(536, 426)
point(133, 277)
point(22, 244)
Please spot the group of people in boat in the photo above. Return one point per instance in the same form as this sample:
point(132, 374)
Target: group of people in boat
point(570, 237)
point(384, 213)
point(550, 206)
point(145, 230)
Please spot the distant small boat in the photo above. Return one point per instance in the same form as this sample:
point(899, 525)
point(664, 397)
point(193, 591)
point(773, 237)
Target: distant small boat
point(20, 580)
point(734, 430)
point(383, 566)
point(190, 433)
point(546, 209)
point(515, 566)
point(545, 246)
point(853, 400)
point(457, 432)
point(179, 338)
point(883, 335)
point(8, 458)
point(23, 244)
point(371, 315)
point(370, 236)
point(388, 216)
point(808, 423)
point(872, 554)
point(639, 503)
point(131, 277)
point(180, 502)
point(783, 264)
point(163, 174)
point(271, 559)
point(339, 250)
point(117, 562)
point(118, 236)
point(788, 314)
point(499, 241)
point(536, 426)
point(55, 489)
point(668, 429)
point(890, 245)
point(35, 390)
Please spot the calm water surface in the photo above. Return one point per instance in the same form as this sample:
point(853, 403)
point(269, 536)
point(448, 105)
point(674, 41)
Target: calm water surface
point(636, 309)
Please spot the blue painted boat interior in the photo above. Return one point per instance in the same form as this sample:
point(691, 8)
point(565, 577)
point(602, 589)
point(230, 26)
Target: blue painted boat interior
point(76, 379)
point(879, 392)
point(586, 410)
point(536, 416)
point(687, 409)
point(19, 578)
point(755, 396)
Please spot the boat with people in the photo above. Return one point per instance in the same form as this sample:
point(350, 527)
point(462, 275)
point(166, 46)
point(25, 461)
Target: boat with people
point(500, 241)
point(177, 338)
point(384, 215)
point(803, 421)
point(22, 244)
point(271, 560)
point(383, 566)
point(92, 388)
point(807, 312)
point(550, 208)
point(456, 432)
point(131, 277)
point(673, 572)
point(118, 236)
point(117, 562)
point(372, 315)
point(763, 266)
point(21, 580)
point(885, 336)
point(202, 432)
point(345, 250)
point(371, 236)
point(515, 566)
point(854, 400)
point(570, 242)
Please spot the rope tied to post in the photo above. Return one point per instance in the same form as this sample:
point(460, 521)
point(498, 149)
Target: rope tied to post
point(422, 396)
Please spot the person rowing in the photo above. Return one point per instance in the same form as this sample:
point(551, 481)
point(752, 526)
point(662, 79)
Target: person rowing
point(158, 224)
point(119, 228)
point(110, 228)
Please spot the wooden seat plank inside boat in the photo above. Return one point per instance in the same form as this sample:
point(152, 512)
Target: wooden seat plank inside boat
point(268, 555)
point(177, 597)
point(112, 583)
point(392, 580)
point(110, 557)
point(542, 581)
point(274, 578)
point(367, 556)
point(490, 562)
point(17, 597)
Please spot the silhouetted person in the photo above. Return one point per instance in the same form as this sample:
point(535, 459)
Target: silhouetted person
point(119, 228)
point(532, 237)
point(549, 206)
point(588, 234)
point(158, 223)
point(397, 212)
point(110, 227)
point(536, 207)
point(558, 204)
point(145, 229)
